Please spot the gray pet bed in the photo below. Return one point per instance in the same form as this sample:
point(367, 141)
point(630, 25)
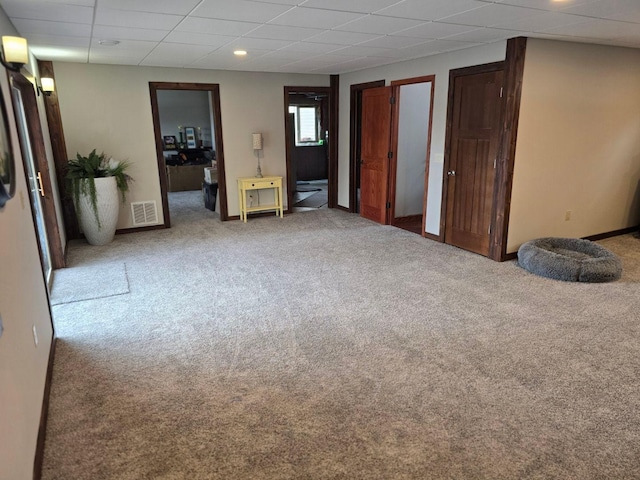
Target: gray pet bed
point(570, 259)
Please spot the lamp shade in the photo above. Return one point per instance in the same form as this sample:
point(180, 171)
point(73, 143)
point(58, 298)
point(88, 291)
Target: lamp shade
point(15, 50)
point(47, 84)
point(257, 141)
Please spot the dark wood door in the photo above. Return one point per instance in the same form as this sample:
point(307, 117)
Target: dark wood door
point(375, 145)
point(471, 167)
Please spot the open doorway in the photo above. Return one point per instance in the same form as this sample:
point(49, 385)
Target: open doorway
point(391, 132)
point(307, 124)
point(188, 131)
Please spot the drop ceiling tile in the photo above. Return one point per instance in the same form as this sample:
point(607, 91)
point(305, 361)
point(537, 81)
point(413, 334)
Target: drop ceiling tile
point(430, 9)
point(376, 24)
point(282, 2)
point(212, 26)
point(131, 19)
point(169, 54)
point(58, 41)
point(626, 10)
point(121, 33)
point(432, 47)
point(239, 10)
point(182, 7)
point(25, 27)
point(357, 6)
point(48, 11)
point(248, 43)
point(341, 38)
point(357, 50)
point(392, 41)
point(311, 48)
point(82, 3)
point(124, 48)
point(544, 5)
point(484, 35)
point(101, 60)
point(435, 30)
point(491, 14)
point(62, 54)
point(315, 18)
point(597, 29)
point(282, 32)
point(543, 21)
point(191, 38)
point(284, 57)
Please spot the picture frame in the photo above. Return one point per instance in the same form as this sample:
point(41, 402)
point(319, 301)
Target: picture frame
point(192, 139)
point(170, 142)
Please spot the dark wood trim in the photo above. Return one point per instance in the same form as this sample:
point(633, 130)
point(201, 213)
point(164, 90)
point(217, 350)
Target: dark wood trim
point(41, 163)
point(140, 229)
point(44, 413)
point(354, 126)
point(59, 148)
point(334, 116)
point(344, 209)
point(593, 238)
point(409, 81)
point(514, 70)
point(431, 236)
point(214, 88)
point(407, 219)
point(333, 135)
point(453, 74)
point(614, 233)
point(510, 256)
point(393, 161)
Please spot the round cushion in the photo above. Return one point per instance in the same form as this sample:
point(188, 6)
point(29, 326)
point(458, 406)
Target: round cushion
point(569, 259)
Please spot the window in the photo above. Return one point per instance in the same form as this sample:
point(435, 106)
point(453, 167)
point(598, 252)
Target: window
point(307, 124)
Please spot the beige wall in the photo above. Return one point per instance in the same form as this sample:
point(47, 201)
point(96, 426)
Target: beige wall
point(578, 143)
point(438, 65)
point(23, 306)
point(108, 108)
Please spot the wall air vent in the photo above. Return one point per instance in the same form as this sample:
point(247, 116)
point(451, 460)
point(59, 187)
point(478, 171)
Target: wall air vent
point(144, 213)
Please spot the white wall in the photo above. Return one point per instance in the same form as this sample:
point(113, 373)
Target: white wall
point(438, 65)
point(186, 108)
point(23, 305)
point(108, 108)
point(578, 146)
point(411, 157)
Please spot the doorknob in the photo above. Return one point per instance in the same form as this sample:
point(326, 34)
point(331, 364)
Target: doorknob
point(451, 173)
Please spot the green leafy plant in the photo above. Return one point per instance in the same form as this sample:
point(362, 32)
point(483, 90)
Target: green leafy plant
point(82, 172)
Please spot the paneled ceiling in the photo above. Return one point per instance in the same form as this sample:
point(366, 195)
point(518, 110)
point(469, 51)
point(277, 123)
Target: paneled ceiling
point(312, 36)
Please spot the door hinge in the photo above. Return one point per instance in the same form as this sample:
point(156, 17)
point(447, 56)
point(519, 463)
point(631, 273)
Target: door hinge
point(390, 155)
point(40, 187)
point(494, 162)
point(501, 90)
point(388, 204)
point(392, 100)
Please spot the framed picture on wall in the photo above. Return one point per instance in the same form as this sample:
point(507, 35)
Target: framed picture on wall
point(190, 132)
point(169, 142)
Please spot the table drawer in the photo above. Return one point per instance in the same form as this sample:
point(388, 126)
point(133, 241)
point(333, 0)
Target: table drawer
point(261, 184)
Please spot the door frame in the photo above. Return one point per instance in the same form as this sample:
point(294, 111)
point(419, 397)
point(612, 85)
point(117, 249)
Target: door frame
point(355, 129)
point(396, 84)
point(513, 66)
point(41, 164)
point(332, 151)
point(214, 88)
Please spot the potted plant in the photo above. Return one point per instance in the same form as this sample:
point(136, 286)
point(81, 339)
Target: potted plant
point(94, 184)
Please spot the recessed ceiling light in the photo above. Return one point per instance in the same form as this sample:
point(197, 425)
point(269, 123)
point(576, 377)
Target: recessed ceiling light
point(240, 53)
point(109, 43)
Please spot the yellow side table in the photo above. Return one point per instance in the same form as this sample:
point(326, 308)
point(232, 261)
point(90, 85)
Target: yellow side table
point(253, 183)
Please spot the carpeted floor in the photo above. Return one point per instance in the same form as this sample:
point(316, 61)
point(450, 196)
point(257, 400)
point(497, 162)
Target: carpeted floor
point(398, 358)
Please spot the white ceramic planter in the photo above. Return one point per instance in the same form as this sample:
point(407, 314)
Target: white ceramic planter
point(108, 201)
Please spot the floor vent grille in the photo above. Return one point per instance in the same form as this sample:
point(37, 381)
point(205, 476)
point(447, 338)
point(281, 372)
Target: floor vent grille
point(144, 213)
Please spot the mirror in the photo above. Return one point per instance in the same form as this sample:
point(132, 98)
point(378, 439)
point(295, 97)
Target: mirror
point(7, 166)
